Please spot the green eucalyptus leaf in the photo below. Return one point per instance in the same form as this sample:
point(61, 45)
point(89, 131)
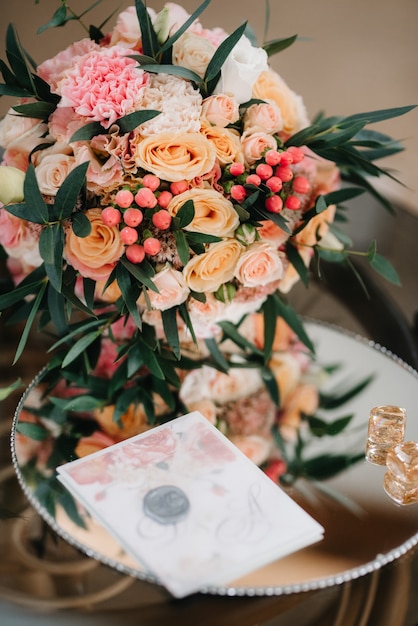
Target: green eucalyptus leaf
point(372, 117)
point(346, 193)
point(332, 256)
point(30, 285)
point(22, 210)
point(271, 384)
point(151, 361)
point(171, 331)
point(298, 263)
point(143, 59)
point(70, 507)
point(5, 392)
point(133, 120)
point(194, 238)
point(173, 70)
point(162, 388)
point(326, 466)
point(293, 320)
point(277, 45)
point(14, 92)
point(37, 110)
point(82, 403)
point(38, 212)
point(222, 53)
point(80, 346)
point(46, 244)
point(217, 355)
point(130, 293)
point(29, 322)
point(339, 397)
point(382, 266)
point(270, 320)
point(149, 39)
point(54, 267)
point(81, 225)
point(56, 307)
point(182, 246)
point(185, 214)
point(371, 252)
point(142, 272)
point(69, 191)
point(16, 58)
point(58, 19)
point(169, 43)
point(87, 132)
point(32, 430)
point(232, 333)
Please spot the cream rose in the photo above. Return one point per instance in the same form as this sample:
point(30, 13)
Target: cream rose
point(94, 256)
point(176, 157)
point(213, 213)
point(220, 110)
point(270, 86)
point(265, 117)
point(52, 171)
point(206, 272)
point(11, 184)
point(255, 448)
point(172, 289)
point(260, 264)
point(254, 145)
point(227, 144)
point(193, 52)
point(241, 70)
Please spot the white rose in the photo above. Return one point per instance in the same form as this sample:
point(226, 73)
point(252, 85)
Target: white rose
point(241, 70)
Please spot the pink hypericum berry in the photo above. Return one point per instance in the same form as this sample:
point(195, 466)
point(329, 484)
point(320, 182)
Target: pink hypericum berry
point(111, 216)
point(238, 193)
point(287, 158)
point(264, 171)
point(135, 253)
point(293, 203)
point(124, 198)
point(152, 246)
point(133, 217)
point(236, 169)
point(151, 181)
point(273, 157)
point(164, 199)
point(128, 235)
point(284, 173)
point(162, 219)
point(145, 198)
point(178, 187)
point(274, 204)
point(274, 184)
point(297, 154)
point(253, 179)
point(301, 185)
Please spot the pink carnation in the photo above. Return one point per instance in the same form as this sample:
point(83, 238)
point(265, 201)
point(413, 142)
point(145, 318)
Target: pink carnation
point(104, 85)
point(53, 70)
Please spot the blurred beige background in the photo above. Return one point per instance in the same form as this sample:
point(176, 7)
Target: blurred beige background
point(353, 56)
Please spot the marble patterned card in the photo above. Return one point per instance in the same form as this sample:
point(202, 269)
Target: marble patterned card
point(188, 505)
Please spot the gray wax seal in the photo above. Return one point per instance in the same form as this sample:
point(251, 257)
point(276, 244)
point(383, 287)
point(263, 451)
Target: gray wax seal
point(166, 505)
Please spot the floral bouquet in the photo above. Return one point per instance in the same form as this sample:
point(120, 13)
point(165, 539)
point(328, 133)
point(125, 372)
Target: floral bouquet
point(162, 190)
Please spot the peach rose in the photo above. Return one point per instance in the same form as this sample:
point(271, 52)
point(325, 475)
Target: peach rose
point(254, 145)
point(52, 170)
point(134, 421)
point(208, 271)
point(227, 143)
point(264, 117)
point(270, 86)
point(316, 228)
point(283, 335)
point(206, 407)
point(303, 400)
point(95, 442)
point(270, 231)
point(260, 264)
point(193, 52)
point(175, 157)
point(172, 289)
point(255, 448)
point(220, 110)
point(96, 255)
point(213, 213)
point(286, 370)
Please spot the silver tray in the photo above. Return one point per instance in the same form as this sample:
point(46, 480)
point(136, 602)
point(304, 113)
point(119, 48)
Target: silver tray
point(364, 529)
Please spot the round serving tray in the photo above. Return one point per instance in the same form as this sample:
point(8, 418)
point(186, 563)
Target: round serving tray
point(364, 528)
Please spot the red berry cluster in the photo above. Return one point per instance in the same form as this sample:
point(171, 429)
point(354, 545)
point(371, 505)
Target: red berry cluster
point(275, 176)
point(147, 206)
